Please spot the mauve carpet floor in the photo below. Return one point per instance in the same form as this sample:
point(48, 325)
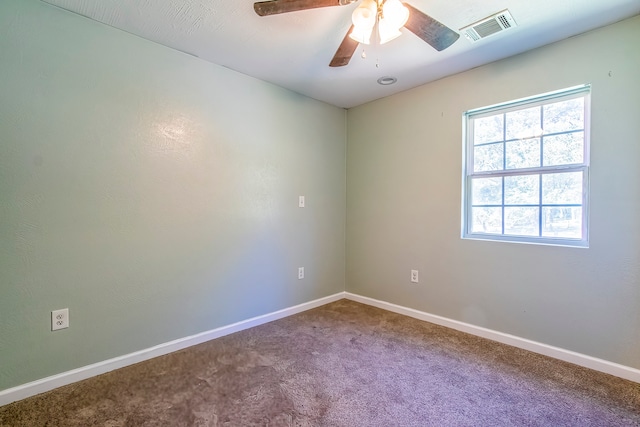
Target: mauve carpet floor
point(343, 364)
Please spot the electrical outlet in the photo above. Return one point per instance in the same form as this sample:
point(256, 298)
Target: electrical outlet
point(414, 276)
point(301, 273)
point(59, 319)
point(301, 201)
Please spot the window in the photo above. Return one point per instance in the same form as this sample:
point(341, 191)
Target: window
point(527, 170)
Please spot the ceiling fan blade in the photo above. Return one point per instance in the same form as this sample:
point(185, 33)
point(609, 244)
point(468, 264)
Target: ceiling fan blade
point(273, 7)
point(428, 29)
point(345, 51)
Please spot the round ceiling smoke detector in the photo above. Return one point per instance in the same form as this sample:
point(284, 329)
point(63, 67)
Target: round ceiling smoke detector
point(387, 80)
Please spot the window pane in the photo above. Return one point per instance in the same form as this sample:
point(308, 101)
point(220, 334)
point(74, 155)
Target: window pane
point(488, 157)
point(564, 116)
point(486, 220)
point(563, 149)
point(488, 129)
point(523, 153)
point(486, 191)
point(521, 221)
point(562, 188)
point(562, 222)
point(523, 124)
point(522, 190)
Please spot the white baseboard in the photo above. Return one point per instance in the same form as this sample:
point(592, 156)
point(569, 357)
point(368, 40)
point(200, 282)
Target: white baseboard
point(40, 386)
point(594, 363)
point(49, 383)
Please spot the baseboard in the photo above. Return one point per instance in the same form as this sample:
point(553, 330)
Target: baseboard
point(40, 386)
point(590, 362)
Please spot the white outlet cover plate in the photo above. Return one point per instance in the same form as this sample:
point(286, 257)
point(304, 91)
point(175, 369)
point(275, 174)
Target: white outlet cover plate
point(414, 276)
point(301, 201)
point(59, 319)
point(301, 273)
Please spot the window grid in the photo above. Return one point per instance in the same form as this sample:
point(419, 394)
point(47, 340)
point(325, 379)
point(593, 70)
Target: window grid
point(540, 194)
point(504, 164)
point(540, 171)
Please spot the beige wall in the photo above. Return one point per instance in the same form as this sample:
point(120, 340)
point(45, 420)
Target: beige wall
point(152, 193)
point(404, 178)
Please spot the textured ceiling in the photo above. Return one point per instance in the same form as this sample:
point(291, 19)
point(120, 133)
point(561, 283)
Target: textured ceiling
point(293, 50)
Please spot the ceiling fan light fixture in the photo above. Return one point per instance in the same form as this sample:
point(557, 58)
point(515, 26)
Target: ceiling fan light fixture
point(364, 19)
point(389, 16)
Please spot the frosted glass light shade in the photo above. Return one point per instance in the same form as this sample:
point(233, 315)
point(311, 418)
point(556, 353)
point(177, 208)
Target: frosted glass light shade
point(395, 13)
point(361, 35)
point(394, 16)
point(364, 19)
point(387, 32)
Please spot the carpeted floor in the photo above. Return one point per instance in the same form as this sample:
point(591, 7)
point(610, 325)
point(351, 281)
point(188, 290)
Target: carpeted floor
point(343, 364)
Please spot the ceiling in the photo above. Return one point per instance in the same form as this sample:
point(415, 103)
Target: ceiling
point(293, 50)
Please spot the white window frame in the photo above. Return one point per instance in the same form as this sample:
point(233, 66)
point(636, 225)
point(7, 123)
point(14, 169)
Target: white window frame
point(583, 91)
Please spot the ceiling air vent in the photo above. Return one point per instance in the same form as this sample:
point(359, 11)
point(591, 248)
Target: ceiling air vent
point(491, 25)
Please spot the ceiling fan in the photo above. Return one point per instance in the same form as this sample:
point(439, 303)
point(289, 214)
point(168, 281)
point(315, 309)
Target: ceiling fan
point(428, 29)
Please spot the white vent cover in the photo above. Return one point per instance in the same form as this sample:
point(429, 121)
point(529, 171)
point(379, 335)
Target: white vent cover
point(488, 26)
